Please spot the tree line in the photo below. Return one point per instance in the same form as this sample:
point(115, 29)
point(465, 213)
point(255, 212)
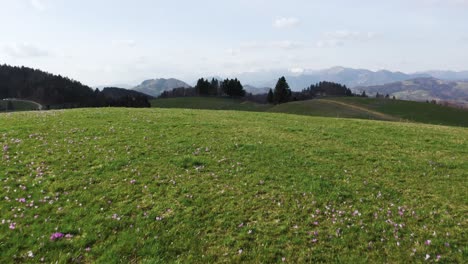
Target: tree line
point(283, 94)
point(205, 87)
point(280, 94)
point(55, 91)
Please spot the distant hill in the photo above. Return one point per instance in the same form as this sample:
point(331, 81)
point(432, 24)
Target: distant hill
point(422, 89)
point(156, 87)
point(255, 90)
point(116, 93)
point(349, 77)
point(448, 75)
point(120, 85)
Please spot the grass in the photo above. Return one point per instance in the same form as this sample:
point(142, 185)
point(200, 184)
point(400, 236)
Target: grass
point(196, 186)
point(341, 107)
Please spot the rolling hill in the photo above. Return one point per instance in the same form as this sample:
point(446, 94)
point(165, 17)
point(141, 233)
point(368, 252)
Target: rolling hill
point(155, 87)
point(196, 186)
point(377, 109)
point(340, 107)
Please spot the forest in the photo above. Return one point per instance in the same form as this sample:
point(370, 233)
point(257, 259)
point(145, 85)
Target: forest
point(55, 91)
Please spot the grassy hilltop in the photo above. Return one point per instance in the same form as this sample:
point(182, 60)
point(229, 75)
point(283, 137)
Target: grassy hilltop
point(172, 185)
point(341, 107)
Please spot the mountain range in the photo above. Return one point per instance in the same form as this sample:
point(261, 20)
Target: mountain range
point(298, 81)
point(347, 76)
point(155, 87)
point(422, 89)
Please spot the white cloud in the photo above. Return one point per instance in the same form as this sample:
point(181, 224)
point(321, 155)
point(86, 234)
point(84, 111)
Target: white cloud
point(446, 2)
point(252, 45)
point(125, 42)
point(286, 22)
point(282, 44)
point(25, 50)
point(233, 52)
point(297, 70)
point(37, 4)
point(340, 37)
point(327, 43)
point(350, 35)
point(287, 44)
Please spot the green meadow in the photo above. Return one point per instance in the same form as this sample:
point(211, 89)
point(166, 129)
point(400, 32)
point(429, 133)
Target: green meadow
point(201, 186)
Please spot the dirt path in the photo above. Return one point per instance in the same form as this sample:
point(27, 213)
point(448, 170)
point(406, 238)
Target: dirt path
point(39, 106)
point(374, 113)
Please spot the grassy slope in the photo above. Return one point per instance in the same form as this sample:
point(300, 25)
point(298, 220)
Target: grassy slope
point(330, 108)
point(362, 108)
point(414, 111)
point(209, 184)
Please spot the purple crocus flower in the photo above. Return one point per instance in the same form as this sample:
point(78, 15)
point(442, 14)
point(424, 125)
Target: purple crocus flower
point(56, 236)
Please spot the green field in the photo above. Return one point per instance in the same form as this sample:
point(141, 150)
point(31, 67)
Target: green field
point(18, 105)
point(196, 186)
point(341, 107)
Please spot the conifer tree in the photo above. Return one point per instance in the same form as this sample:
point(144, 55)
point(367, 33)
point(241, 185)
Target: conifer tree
point(270, 97)
point(282, 93)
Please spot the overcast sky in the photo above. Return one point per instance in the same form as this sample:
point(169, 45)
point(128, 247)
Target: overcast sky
point(125, 41)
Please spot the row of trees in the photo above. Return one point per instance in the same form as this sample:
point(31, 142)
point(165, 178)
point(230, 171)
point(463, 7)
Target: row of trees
point(228, 87)
point(205, 87)
point(283, 94)
point(280, 94)
point(327, 89)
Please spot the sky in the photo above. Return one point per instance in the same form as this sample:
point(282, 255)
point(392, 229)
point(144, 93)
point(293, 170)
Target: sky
point(103, 42)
